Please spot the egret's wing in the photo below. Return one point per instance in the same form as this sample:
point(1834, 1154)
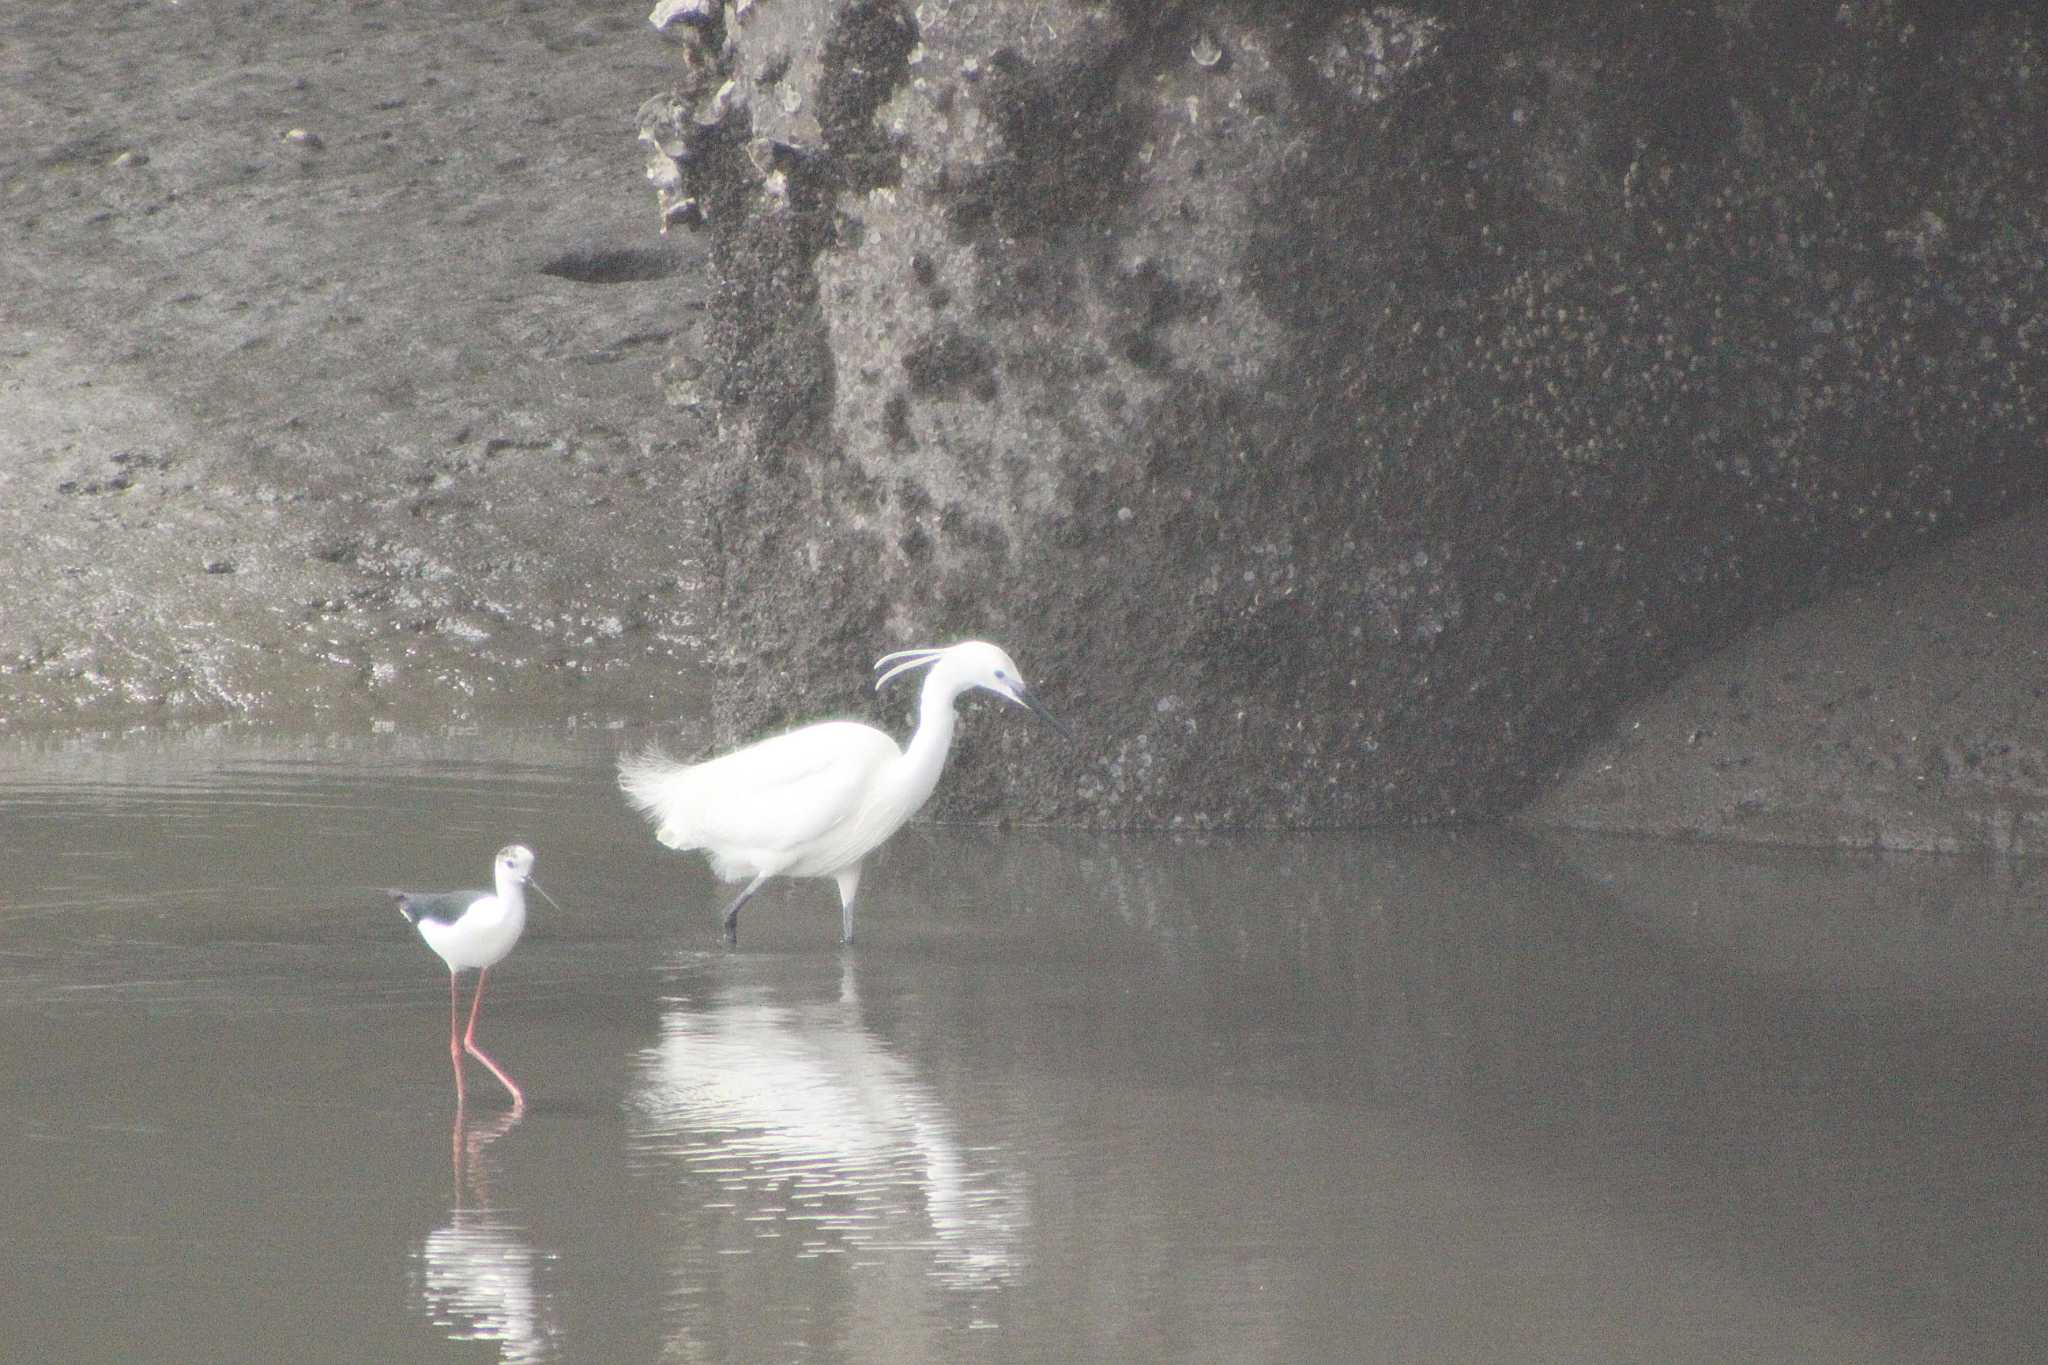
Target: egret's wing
point(787, 792)
point(779, 794)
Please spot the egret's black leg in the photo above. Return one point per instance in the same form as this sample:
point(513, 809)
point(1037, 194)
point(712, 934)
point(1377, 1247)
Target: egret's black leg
point(732, 912)
point(849, 890)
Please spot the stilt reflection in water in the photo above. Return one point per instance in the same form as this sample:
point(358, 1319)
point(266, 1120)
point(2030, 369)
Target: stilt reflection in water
point(477, 1275)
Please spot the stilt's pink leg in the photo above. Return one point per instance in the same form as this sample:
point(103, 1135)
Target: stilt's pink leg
point(469, 1042)
point(461, 1131)
point(455, 1035)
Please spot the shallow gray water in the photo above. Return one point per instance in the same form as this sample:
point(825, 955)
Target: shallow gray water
point(1258, 1098)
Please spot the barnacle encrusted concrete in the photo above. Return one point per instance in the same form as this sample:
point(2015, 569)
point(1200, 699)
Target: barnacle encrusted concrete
point(1359, 402)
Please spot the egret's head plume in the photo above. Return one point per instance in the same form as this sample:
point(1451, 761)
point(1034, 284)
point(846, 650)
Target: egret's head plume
point(970, 663)
point(903, 661)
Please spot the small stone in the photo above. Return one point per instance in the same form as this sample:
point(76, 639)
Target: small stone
point(682, 209)
point(689, 11)
point(303, 137)
point(664, 171)
point(712, 112)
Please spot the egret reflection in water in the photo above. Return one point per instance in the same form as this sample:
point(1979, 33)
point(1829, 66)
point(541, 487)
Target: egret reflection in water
point(813, 1131)
point(477, 1275)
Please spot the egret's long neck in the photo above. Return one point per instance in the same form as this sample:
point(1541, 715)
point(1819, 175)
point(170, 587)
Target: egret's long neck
point(925, 757)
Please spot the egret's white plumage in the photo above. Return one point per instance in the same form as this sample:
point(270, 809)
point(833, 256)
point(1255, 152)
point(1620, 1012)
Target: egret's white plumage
point(474, 930)
point(816, 801)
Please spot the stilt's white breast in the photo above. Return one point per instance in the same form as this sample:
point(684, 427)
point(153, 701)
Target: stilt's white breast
point(482, 935)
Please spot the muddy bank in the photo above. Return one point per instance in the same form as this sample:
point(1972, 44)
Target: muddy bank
point(327, 367)
point(1908, 711)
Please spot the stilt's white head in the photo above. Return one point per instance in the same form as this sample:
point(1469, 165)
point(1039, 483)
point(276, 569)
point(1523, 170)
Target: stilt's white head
point(514, 863)
point(514, 866)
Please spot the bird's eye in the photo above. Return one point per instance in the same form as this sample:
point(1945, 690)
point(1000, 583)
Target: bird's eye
point(1004, 676)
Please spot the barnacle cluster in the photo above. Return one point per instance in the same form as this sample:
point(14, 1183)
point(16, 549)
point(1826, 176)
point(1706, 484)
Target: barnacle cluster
point(675, 126)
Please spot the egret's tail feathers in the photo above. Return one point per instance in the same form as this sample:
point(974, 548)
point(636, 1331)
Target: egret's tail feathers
point(640, 773)
point(659, 788)
point(903, 661)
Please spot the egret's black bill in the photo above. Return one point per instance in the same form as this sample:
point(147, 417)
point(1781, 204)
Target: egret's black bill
point(1037, 708)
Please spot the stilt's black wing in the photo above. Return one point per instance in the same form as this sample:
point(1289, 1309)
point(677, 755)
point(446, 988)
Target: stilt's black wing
point(444, 907)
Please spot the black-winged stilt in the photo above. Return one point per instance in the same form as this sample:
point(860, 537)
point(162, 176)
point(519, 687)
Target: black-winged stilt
point(475, 930)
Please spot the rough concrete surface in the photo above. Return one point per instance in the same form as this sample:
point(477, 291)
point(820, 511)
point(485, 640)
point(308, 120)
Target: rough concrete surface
point(1347, 407)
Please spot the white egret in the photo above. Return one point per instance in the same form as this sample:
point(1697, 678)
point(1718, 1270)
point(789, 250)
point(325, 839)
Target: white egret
point(474, 930)
point(814, 802)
